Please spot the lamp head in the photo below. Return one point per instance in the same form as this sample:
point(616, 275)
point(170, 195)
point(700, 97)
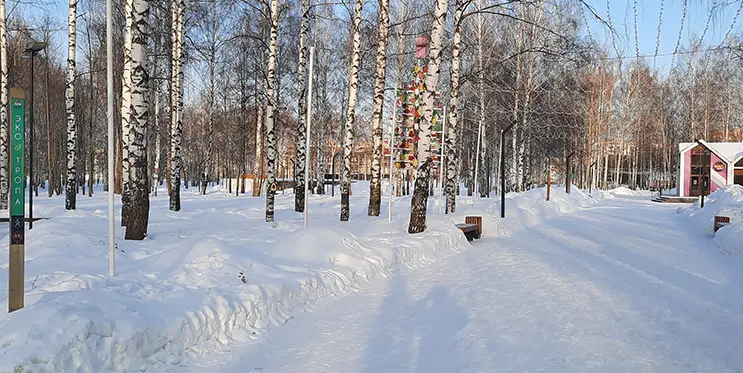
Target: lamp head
point(35, 47)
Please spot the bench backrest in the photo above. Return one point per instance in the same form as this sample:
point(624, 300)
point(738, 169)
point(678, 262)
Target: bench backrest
point(477, 220)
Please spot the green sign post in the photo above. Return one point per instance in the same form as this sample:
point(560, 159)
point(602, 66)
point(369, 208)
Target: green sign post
point(17, 200)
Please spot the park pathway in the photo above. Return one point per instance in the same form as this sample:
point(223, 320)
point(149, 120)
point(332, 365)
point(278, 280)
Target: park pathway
point(620, 287)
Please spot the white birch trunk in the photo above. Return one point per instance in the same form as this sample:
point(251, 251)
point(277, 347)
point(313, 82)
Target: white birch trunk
point(71, 187)
point(483, 139)
point(301, 127)
point(420, 194)
point(451, 136)
point(259, 157)
point(351, 113)
point(138, 215)
point(375, 186)
point(210, 115)
point(176, 104)
point(126, 82)
point(156, 173)
point(270, 131)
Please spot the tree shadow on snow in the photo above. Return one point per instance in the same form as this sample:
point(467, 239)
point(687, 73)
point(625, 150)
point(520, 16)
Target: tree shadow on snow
point(415, 336)
point(439, 323)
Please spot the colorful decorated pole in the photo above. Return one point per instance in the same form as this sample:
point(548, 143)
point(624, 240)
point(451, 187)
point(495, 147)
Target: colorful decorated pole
point(17, 259)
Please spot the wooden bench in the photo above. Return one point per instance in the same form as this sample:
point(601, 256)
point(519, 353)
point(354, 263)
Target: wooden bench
point(472, 227)
point(469, 230)
point(721, 221)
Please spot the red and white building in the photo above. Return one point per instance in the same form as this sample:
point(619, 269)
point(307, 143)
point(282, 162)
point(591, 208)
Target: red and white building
point(707, 166)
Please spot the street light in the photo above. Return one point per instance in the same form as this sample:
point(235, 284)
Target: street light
point(590, 177)
point(32, 49)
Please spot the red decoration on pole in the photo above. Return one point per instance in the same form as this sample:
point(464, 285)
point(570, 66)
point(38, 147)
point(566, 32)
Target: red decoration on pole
point(421, 43)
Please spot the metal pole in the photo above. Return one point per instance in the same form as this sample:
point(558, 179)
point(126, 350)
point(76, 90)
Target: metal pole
point(441, 161)
point(503, 170)
point(307, 145)
point(477, 163)
point(392, 158)
point(502, 174)
point(31, 150)
point(549, 181)
point(110, 94)
point(590, 177)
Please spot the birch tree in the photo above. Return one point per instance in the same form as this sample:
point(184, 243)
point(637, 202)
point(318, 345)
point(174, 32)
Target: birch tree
point(260, 144)
point(71, 187)
point(351, 113)
point(423, 172)
point(301, 126)
point(451, 135)
point(270, 131)
point(375, 187)
point(3, 110)
point(211, 55)
point(481, 125)
point(136, 228)
point(126, 90)
point(176, 103)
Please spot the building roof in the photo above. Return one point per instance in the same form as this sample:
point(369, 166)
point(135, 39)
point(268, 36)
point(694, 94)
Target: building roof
point(728, 151)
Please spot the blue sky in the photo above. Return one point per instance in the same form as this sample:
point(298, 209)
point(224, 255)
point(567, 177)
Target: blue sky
point(622, 18)
point(648, 11)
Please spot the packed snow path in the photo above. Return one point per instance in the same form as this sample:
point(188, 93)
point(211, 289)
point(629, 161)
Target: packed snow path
point(622, 287)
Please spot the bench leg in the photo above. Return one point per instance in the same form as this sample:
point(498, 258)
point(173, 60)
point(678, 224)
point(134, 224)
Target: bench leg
point(469, 236)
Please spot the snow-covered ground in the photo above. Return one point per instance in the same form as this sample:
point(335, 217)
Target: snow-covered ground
point(724, 202)
point(214, 274)
point(607, 283)
point(621, 286)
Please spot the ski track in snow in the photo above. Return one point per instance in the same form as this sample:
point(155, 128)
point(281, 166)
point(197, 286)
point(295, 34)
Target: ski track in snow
point(622, 287)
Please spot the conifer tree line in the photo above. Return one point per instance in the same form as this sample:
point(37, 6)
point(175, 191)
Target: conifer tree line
point(212, 90)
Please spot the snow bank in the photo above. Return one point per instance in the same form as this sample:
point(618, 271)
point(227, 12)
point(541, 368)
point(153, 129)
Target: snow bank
point(725, 202)
point(528, 208)
point(213, 273)
point(624, 191)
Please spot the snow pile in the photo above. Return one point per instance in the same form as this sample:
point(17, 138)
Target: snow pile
point(528, 208)
point(624, 191)
point(723, 202)
point(213, 273)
